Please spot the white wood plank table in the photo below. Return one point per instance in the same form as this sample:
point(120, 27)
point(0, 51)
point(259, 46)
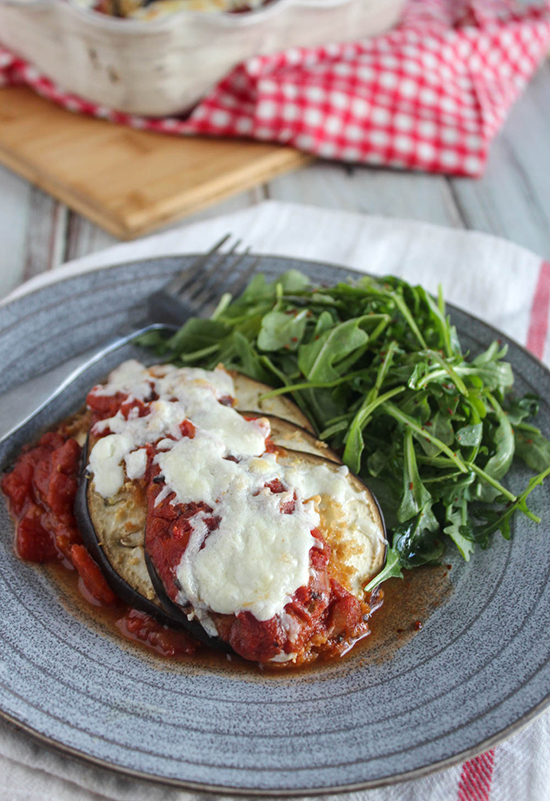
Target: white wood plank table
point(512, 200)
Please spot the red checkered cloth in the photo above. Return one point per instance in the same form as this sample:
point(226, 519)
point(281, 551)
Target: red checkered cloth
point(430, 95)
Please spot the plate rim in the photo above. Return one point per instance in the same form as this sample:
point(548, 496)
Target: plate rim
point(416, 773)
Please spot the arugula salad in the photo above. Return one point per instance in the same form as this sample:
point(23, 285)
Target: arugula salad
point(377, 366)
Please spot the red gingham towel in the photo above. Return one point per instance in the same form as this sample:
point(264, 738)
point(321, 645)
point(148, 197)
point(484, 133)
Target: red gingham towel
point(430, 95)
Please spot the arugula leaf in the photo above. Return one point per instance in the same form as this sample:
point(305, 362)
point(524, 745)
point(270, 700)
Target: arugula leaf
point(470, 436)
point(294, 281)
point(504, 446)
point(499, 519)
point(252, 364)
point(324, 322)
point(418, 541)
point(460, 531)
point(354, 440)
point(197, 334)
point(494, 373)
point(282, 330)
point(392, 569)
point(533, 448)
point(318, 359)
point(415, 495)
point(518, 409)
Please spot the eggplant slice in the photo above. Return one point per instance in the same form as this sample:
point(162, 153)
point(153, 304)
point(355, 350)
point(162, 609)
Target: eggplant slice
point(248, 393)
point(355, 556)
point(353, 562)
point(113, 530)
point(295, 438)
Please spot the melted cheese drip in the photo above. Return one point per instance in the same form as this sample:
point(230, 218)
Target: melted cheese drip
point(105, 463)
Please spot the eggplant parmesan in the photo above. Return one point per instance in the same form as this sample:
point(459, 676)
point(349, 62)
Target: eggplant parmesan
point(209, 510)
point(206, 513)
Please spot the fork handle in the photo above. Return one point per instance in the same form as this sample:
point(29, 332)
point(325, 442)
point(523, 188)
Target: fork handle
point(19, 405)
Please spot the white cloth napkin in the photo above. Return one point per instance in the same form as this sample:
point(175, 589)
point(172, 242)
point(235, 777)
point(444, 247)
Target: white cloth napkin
point(502, 283)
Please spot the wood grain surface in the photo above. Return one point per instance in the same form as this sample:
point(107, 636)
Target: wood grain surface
point(127, 181)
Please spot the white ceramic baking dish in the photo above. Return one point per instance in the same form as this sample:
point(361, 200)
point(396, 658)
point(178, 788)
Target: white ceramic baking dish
point(164, 66)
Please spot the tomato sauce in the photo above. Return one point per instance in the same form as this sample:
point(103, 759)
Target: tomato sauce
point(41, 491)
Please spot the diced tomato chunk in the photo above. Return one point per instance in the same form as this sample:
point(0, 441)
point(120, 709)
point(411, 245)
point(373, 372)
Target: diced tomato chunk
point(34, 543)
point(105, 406)
point(42, 473)
point(167, 533)
point(17, 484)
point(288, 507)
point(270, 446)
point(92, 576)
point(66, 535)
point(345, 615)
point(319, 557)
point(41, 489)
point(257, 640)
point(187, 429)
point(276, 486)
point(134, 408)
point(52, 440)
point(61, 493)
point(139, 626)
point(66, 457)
point(180, 530)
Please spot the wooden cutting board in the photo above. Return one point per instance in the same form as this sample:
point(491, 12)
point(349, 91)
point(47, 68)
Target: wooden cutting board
point(126, 181)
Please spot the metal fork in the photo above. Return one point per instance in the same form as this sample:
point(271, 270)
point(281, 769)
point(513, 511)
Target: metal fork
point(196, 288)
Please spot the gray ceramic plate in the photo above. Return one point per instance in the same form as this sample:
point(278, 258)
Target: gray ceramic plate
point(478, 670)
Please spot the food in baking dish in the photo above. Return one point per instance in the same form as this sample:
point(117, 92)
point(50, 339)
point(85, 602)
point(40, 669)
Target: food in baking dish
point(153, 9)
point(202, 511)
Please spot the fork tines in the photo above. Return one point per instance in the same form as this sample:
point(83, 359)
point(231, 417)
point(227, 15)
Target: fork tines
point(187, 277)
point(201, 285)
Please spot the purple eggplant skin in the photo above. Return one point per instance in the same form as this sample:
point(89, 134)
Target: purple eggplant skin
point(178, 613)
point(169, 615)
point(310, 443)
point(120, 587)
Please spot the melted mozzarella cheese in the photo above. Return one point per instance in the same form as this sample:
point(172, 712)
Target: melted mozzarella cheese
point(136, 463)
point(257, 557)
point(175, 379)
point(105, 463)
point(254, 561)
point(186, 393)
point(163, 420)
point(195, 469)
point(239, 435)
point(131, 377)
